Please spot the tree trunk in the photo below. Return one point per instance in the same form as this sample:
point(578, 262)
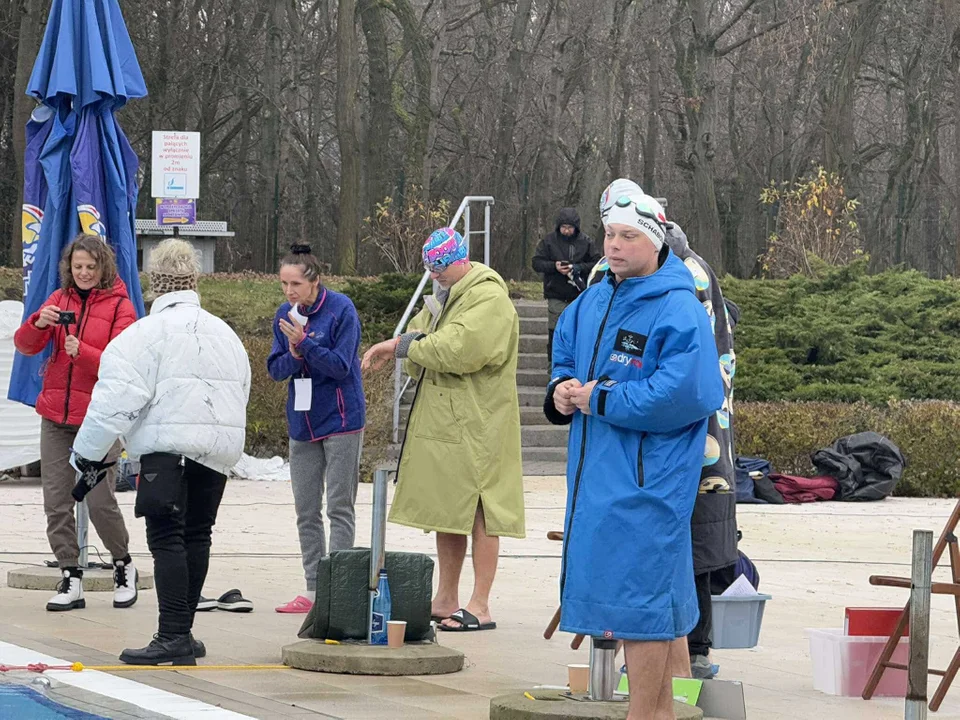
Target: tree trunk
point(651, 140)
point(417, 125)
point(696, 65)
point(271, 136)
point(377, 140)
point(348, 87)
point(28, 45)
point(951, 13)
point(503, 154)
point(837, 100)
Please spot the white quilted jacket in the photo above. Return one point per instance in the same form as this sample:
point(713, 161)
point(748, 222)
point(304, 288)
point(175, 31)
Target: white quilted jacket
point(176, 381)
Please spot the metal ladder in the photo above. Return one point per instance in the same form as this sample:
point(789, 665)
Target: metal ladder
point(463, 213)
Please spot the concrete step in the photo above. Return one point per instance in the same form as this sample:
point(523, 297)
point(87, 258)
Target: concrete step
point(533, 378)
point(539, 454)
point(532, 415)
point(531, 308)
point(530, 397)
point(533, 344)
point(542, 468)
point(544, 436)
point(533, 326)
point(533, 361)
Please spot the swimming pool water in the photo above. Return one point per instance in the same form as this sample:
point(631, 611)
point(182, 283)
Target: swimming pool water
point(23, 703)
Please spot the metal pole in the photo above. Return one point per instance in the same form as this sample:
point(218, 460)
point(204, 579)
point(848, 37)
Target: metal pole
point(397, 372)
point(83, 522)
point(466, 226)
point(377, 539)
point(917, 669)
point(486, 234)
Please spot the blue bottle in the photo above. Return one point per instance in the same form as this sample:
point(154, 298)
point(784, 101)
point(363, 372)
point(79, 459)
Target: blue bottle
point(381, 612)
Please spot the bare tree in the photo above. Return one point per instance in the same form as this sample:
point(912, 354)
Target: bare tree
point(348, 85)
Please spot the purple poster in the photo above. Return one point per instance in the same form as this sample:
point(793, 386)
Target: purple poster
point(176, 211)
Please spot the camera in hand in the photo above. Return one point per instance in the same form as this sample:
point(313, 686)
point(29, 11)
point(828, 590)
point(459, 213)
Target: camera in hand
point(67, 317)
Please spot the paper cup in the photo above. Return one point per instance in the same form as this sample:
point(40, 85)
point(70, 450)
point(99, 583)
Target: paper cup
point(396, 629)
point(578, 678)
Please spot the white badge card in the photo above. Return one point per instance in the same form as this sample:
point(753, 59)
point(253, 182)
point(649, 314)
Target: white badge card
point(302, 394)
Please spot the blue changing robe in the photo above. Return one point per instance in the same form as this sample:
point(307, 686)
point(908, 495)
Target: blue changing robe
point(634, 464)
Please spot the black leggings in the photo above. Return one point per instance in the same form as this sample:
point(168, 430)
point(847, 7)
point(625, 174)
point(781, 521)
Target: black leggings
point(180, 542)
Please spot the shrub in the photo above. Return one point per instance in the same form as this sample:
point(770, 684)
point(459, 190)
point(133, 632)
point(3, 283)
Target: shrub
point(398, 233)
point(816, 226)
point(381, 302)
point(788, 433)
point(847, 336)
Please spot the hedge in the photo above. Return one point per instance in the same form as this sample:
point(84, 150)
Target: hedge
point(817, 359)
point(847, 337)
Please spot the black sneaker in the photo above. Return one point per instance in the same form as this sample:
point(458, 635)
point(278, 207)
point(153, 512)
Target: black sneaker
point(206, 604)
point(163, 649)
point(233, 601)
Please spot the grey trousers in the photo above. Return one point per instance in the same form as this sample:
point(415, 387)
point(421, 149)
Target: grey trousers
point(58, 504)
point(335, 463)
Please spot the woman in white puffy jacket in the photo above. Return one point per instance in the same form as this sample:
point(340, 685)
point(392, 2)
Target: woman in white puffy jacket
point(173, 387)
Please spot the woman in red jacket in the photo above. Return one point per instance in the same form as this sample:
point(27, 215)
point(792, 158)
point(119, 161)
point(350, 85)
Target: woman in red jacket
point(97, 298)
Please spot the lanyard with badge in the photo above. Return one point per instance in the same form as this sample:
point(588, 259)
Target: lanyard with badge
point(302, 386)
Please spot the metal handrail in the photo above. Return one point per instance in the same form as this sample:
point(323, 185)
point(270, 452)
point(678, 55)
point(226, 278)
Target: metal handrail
point(400, 387)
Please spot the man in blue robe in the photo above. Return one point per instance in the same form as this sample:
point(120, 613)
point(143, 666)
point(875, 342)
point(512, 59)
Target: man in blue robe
point(636, 372)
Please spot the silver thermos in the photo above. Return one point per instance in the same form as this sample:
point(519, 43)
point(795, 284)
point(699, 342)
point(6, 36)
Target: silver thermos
point(603, 669)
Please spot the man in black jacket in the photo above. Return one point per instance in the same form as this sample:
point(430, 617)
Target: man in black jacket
point(564, 257)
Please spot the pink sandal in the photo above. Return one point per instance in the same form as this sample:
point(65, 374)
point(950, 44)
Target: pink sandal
point(299, 605)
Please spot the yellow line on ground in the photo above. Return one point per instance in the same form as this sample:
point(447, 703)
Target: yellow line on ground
point(178, 668)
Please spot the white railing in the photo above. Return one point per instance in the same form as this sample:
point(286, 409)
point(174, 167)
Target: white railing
point(463, 212)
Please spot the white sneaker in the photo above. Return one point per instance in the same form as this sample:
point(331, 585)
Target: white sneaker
point(69, 592)
point(124, 584)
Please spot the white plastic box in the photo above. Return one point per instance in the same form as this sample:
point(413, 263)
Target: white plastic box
point(842, 663)
point(736, 621)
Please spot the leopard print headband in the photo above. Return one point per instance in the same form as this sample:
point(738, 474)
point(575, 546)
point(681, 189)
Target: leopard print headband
point(162, 283)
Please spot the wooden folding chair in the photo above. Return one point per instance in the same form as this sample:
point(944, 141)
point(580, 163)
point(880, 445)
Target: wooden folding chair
point(555, 620)
point(948, 540)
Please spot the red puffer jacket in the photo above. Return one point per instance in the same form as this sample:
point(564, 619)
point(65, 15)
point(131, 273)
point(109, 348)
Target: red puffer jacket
point(68, 382)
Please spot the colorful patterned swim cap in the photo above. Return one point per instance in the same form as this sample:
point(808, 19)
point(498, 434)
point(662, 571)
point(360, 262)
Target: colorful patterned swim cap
point(444, 247)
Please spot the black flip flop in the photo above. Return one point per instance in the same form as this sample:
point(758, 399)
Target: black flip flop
point(468, 622)
point(233, 601)
point(206, 604)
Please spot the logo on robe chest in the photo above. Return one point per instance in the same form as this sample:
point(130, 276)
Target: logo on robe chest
point(628, 348)
point(631, 343)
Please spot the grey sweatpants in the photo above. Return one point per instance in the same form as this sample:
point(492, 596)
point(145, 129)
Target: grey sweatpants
point(334, 462)
point(58, 481)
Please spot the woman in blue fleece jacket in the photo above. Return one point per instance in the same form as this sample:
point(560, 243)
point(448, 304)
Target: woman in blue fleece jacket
point(635, 369)
point(316, 346)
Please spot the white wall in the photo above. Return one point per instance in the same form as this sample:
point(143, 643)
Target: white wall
point(19, 424)
point(205, 246)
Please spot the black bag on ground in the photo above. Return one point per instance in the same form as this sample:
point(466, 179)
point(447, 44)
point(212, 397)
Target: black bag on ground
point(341, 609)
point(867, 465)
point(756, 490)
